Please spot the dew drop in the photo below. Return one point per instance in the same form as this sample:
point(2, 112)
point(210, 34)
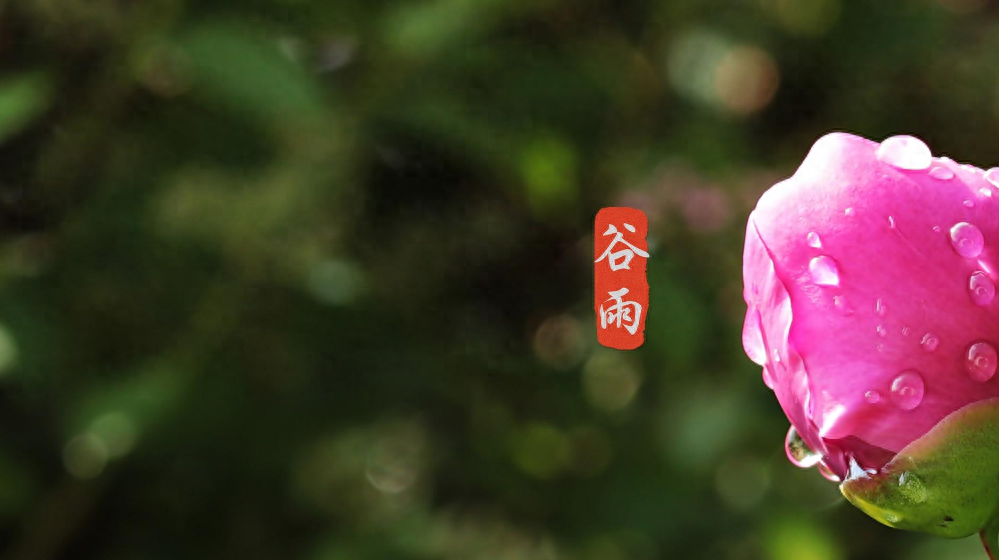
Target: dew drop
point(992, 176)
point(937, 229)
point(848, 212)
point(941, 173)
point(906, 331)
point(907, 390)
point(967, 239)
point(985, 191)
point(905, 152)
point(882, 331)
point(929, 342)
point(827, 473)
point(776, 356)
point(891, 222)
point(969, 204)
point(813, 240)
point(841, 305)
point(880, 308)
point(872, 397)
point(824, 271)
point(981, 361)
point(981, 288)
point(798, 451)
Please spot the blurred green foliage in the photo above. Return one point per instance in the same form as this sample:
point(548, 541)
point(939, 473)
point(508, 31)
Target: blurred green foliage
point(307, 279)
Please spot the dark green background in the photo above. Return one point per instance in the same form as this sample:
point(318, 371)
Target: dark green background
point(312, 279)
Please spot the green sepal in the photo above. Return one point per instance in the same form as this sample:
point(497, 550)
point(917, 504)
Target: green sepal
point(990, 538)
point(945, 483)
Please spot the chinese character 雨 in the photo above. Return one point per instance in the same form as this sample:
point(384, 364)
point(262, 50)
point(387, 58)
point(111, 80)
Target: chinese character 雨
point(622, 258)
point(621, 313)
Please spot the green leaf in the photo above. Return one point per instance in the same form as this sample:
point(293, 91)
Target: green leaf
point(945, 483)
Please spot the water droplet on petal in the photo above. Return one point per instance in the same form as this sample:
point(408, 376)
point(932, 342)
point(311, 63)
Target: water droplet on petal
point(981, 361)
point(905, 152)
point(992, 176)
point(969, 204)
point(970, 168)
point(880, 308)
point(937, 229)
point(813, 240)
point(848, 212)
point(967, 239)
point(824, 271)
point(985, 191)
point(929, 342)
point(981, 288)
point(907, 390)
point(872, 397)
point(941, 173)
point(776, 356)
point(906, 330)
point(827, 473)
point(798, 452)
point(882, 331)
point(841, 305)
point(891, 222)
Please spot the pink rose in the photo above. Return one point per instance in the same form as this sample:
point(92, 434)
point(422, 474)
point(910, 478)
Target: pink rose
point(869, 276)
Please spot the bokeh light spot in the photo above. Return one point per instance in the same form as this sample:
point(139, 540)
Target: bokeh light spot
point(610, 380)
point(85, 456)
point(541, 450)
point(395, 459)
point(117, 432)
point(746, 80)
point(335, 282)
point(559, 342)
point(736, 79)
point(807, 17)
point(742, 482)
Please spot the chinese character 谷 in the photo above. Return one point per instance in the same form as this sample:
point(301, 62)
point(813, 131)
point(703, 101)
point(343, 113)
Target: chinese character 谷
point(620, 259)
point(621, 313)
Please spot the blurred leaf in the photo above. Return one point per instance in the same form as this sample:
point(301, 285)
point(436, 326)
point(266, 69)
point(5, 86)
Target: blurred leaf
point(424, 28)
point(246, 71)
